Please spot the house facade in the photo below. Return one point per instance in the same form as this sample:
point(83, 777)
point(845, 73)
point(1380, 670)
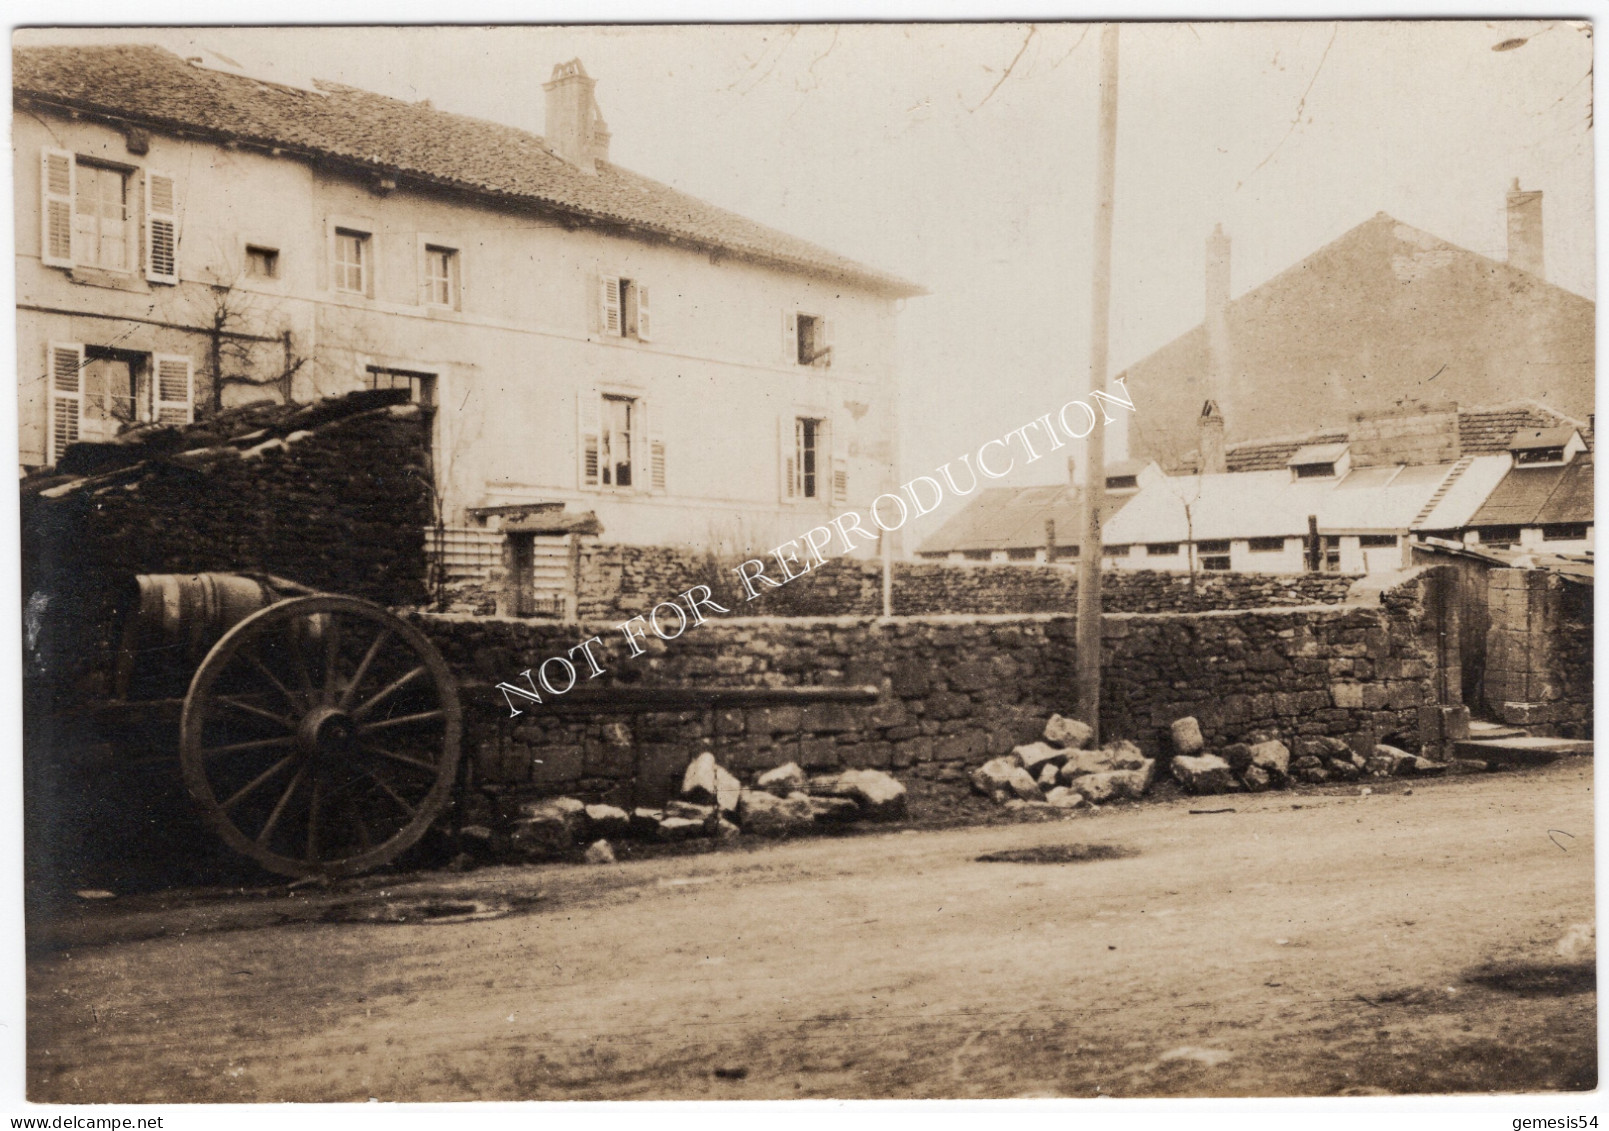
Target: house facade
point(190, 237)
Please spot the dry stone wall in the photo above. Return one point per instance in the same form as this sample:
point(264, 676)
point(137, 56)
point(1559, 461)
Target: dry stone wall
point(621, 581)
point(956, 690)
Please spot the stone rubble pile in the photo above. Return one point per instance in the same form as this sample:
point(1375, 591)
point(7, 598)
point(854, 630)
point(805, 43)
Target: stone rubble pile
point(1263, 761)
point(1060, 773)
point(713, 803)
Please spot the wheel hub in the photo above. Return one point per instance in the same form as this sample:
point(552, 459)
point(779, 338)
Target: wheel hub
point(326, 730)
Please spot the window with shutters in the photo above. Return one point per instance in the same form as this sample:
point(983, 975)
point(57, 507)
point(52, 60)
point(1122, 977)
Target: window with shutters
point(623, 309)
point(813, 460)
point(96, 391)
point(620, 444)
point(351, 270)
point(88, 218)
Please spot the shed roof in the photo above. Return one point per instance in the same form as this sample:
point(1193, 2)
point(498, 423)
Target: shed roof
point(1013, 518)
point(1533, 496)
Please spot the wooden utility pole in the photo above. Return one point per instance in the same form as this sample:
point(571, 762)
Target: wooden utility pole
point(1089, 551)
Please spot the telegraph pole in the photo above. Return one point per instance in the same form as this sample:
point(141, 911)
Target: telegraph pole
point(1089, 552)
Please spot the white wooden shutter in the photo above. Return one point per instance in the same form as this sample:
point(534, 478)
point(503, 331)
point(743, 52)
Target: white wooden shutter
point(790, 337)
point(650, 427)
point(609, 305)
point(161, 229)
point(840, 463)
point(57, 190)
point(586, 444)
point(66, 363)
point(643, 334)
point(787, 458)
point(174, 389)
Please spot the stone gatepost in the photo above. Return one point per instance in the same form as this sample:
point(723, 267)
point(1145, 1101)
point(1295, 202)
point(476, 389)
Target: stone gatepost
point(1524, 664)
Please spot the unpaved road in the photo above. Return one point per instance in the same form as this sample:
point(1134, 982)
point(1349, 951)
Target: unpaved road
point(1400, 942)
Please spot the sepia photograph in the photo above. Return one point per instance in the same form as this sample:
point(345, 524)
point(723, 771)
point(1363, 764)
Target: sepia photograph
point(806, 561)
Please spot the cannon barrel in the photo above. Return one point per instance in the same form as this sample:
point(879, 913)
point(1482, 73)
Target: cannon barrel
point(184, 614)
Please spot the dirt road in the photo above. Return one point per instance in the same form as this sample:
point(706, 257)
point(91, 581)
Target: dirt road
point(1399, 942)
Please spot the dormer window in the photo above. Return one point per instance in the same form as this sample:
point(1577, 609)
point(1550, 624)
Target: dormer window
point(1122, 482)
point(1320, 461)
point(1539, 447)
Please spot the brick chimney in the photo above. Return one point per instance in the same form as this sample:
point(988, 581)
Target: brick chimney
point(1217, 320)
point(1211, 440)
point(575, 129)
point(1525, 229)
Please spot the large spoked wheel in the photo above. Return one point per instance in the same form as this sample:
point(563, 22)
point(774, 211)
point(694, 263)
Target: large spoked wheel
point(320, 736)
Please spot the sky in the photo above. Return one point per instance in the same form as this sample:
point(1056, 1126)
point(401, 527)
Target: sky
point(960, 156)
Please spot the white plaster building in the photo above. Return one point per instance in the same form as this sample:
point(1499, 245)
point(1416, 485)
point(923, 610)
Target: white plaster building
point(190, 237)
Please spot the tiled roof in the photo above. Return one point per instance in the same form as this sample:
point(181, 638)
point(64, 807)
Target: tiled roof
point(152, 87)
point(1489, 430)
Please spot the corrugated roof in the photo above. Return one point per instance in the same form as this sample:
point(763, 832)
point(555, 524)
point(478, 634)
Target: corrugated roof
point(1267, 504)
point(150, 86)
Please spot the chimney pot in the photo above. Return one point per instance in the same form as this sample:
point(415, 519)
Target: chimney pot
point(575, 130)
point(1211, 424)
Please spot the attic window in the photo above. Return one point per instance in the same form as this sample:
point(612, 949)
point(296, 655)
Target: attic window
point(1122, 482)
point(1161, 549)
point(1564, 532)
point(1314, 470)
point(1266, 545)
point(1214, 546)
point(1539, 455)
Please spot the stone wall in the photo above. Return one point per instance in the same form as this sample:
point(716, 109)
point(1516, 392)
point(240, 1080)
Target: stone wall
point(956, 689)
point(618, 581)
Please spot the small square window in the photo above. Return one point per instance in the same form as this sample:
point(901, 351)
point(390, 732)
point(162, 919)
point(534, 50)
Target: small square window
point(1216, 562)
point(262, 262)
point(811, 339)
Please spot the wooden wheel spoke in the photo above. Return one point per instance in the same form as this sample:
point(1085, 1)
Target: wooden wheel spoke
point(391, 793)
point(351, 689)
point(241, 705)
point(403, 720)
point(304, 678)
point(401, 759)
point(279, 807)
point(332, 648)
point(262, 669)
point(388, 690)
point(257, 781)
point(255, 744)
